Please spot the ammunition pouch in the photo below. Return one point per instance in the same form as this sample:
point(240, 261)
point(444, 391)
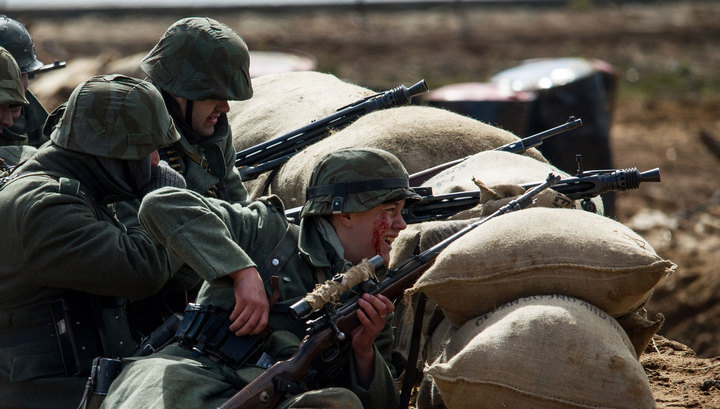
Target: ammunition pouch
point(102, 374)
point(87, 327)
point(205, 329)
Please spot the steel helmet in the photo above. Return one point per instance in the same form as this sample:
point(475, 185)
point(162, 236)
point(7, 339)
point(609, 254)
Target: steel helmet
point(11, 89)
point(356, 180)
point(200, 58)
point(16, 39)
point(115, 116)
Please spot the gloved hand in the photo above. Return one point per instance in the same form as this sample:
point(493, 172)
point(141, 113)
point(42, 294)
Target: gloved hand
point(162, 175)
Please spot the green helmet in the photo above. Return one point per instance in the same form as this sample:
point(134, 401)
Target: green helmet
point(11, 89)
point(16, 39)
point(356, 180)
point(200, 58)
point(115, 116)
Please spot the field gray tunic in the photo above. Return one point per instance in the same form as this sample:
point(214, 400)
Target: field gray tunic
point(54, 242)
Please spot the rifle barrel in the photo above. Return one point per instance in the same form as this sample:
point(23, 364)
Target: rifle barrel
point(594, 183)
point(418, 178)
point(280, 149)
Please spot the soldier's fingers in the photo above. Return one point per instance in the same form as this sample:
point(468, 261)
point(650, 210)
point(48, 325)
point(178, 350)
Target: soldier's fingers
point(377, 304)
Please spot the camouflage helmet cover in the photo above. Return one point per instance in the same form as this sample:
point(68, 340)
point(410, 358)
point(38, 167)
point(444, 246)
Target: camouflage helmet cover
point(356, 180)
point(16, 39)
point(11, 89)
point(115, 116)
point(200, 58)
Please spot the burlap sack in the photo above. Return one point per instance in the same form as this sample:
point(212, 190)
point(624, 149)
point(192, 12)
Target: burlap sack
point(543, 250)
point(497, 170)
point(419, 237)
point(542, 352)
point(640, 329)
point(421, 137)
point(411, 241)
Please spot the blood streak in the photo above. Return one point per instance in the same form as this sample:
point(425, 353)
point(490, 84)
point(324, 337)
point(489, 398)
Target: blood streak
point(380, 227)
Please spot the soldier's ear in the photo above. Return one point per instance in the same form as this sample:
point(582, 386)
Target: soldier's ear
point(343, 220)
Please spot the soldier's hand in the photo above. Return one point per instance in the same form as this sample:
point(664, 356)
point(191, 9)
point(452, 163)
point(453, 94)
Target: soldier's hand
point(162, 175)
point(250, 314)
point(372, 315)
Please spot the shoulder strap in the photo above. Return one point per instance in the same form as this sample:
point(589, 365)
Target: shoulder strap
point(283, 251)
point(66, 186)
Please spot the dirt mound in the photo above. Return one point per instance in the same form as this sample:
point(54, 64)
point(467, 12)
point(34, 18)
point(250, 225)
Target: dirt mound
point(679, 378)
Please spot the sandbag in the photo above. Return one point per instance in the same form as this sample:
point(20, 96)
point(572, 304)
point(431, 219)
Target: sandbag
point(421, 137)
point(541, 352)
point(428, 396)
point(543, 250)
point(498, 168)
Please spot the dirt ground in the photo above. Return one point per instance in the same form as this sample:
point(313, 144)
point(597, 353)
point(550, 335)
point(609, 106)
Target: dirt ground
point(667, 115)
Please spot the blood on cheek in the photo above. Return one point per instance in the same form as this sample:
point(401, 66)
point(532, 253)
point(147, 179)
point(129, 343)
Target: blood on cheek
point(380, 227)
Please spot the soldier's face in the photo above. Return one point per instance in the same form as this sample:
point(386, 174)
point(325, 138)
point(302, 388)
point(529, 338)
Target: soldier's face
point(24, 80)
point(7, 114)
point(372, 232)
point(205, 115)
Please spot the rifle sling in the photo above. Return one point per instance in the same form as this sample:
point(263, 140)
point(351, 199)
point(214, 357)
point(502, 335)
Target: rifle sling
point(411, 371)
point(274, 263)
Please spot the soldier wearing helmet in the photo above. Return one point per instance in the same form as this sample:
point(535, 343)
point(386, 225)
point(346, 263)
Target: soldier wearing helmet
point(68, 264)
point(199, 65)
point(12, 99)
point(249, 255)
point(12, 96)
point(28, 125)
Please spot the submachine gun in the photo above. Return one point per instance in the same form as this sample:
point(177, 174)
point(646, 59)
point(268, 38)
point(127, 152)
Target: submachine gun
point(330, 324)
point(272, 154)
point(584, 186)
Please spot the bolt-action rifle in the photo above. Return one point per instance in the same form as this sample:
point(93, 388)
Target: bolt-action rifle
point(332, 324)
point(583, 187)
point(532, 141)
point(272, 154)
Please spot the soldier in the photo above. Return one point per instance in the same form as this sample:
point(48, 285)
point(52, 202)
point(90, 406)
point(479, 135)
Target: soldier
point(67, 263)
point(28, 127)
point(249, 254)
point(12, 99)
point(200, 64)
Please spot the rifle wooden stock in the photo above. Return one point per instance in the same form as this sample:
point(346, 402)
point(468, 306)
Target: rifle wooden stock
point(266, 390)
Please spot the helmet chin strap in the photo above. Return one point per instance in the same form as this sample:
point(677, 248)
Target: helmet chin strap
point(189, 112)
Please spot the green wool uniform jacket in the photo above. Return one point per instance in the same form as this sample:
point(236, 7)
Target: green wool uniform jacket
point(216, 238)
point(57, 241)
point(210, 165)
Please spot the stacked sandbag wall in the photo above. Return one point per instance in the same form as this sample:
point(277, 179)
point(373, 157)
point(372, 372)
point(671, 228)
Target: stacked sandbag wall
point(555, 279)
